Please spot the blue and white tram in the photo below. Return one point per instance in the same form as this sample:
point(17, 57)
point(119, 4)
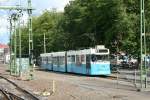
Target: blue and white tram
point(93, 61)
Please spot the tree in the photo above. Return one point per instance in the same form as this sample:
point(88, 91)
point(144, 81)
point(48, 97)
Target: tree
point(86, 23)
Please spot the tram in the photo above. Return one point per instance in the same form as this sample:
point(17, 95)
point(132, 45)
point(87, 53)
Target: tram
point(91, 61)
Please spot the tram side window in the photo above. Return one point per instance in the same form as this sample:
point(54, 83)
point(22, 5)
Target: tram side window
point(62, 60)
point(73, 58)
point(69, 59)
point(93, 58)
point(78, 60)
point(55, 62)
point(41, 60)
point(44, 60)
point(82, 58)
point(49, 60)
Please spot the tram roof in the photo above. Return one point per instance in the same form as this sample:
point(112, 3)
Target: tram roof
point(88, 51)
point(59, 53)
point(46, 54)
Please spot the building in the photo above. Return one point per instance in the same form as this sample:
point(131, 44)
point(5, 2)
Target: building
point(4, 53)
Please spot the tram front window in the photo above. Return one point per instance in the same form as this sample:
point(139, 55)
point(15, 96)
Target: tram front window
point(99, 58)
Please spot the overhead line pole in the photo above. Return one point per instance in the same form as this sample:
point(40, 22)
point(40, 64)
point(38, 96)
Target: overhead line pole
point(15, 46)
point(10, 45)
point(20, 48)
point(44, 43)
point(143, 67)
point(30, 38)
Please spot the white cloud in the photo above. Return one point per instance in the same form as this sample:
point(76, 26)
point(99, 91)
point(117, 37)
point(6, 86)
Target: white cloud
point(3, 24)
point(60, 4)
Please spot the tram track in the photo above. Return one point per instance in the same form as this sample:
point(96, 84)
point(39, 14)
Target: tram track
point(9, 96)
point(19, 94)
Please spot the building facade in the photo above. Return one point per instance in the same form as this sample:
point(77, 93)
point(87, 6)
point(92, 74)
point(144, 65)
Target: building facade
point(4, 53)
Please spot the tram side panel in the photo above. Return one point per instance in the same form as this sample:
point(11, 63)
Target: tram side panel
point(100, 68)
point(100, 65)
point(86, 61)
point(76, 63)
point(82, 62)
point(62, 65)
point(80, 65)
point(88, 64)
point(44, 63)
point(49, 63)
point(59, 62)
point(55, 63)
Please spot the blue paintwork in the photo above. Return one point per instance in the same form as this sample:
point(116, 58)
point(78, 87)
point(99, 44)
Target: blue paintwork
point(96, 69)
point(43, 66)
point(73, 68)
point(46, 66)
point(60, 68)
point(100, 69)
point(49, 67)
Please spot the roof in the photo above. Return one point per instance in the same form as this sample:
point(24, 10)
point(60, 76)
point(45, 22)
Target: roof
point(3, 46)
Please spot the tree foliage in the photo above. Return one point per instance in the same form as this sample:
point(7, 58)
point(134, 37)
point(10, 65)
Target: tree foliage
point(86, 23)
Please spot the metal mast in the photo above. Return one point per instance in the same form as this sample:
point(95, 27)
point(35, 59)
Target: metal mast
point(44, 43)
point(143, 66)
point(30, 38)
point(20, 46)
point(10, 45)
point(15, 43)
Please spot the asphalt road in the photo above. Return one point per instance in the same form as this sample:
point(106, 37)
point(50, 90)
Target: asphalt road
point(80, 87)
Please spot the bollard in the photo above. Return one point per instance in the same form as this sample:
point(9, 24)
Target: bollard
point(53, 86)
point(135, 78)
point(117, 76)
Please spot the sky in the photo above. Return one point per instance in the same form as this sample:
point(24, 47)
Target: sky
point(39, 5)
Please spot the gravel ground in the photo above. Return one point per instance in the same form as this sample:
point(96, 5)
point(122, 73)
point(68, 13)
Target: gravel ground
point(77, 87)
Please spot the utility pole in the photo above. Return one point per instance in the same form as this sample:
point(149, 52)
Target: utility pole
point(20, 46)
point(143, 67)
point(44, 43)
point(15, 43)
point(30, 38)
point(10, 45)
point(13, 65)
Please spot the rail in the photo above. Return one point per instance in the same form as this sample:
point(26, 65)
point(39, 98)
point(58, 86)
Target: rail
point(11, 96)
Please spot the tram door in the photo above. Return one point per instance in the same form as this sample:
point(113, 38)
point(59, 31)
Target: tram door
point(88, 64)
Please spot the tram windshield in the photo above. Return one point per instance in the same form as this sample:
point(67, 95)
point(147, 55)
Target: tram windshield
point(99, 58)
